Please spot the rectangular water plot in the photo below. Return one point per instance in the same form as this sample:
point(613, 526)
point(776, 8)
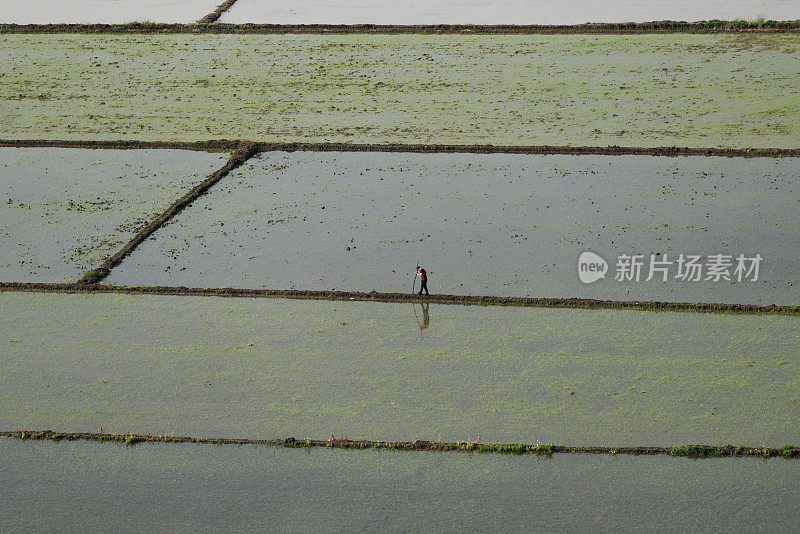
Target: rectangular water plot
point(594, 90)
point(496, 224)
point(274, 368)
point(104, 11)
point(203, 487)
point(63, 211)
point(501, 11)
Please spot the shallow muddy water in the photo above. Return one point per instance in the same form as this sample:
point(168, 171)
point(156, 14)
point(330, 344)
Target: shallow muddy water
point(270, 368)
point(598, 90)
point(63, 211)
point(103, 11)
point(498, 224)
point(194, 487)
point(503, 11)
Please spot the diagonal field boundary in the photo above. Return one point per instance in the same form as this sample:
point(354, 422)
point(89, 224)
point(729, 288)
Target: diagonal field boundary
point(244, 152)
point(689, 451)
point(215, 145)
point(206, 25)
point(374, 296)
point(217, 13)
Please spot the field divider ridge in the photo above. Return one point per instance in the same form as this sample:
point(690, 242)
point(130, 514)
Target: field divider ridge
point(206, 25)
point(213, 145)
point(547, 449)
point(268, 146)
point(374, 296)
point(245, 151)
point(217, 13)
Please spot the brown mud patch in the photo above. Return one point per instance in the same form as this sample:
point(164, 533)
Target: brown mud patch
point(86, 286)
point(217, 145)
point(690, 451)
point(244, 152)
point(217, 13)
point(655, 27)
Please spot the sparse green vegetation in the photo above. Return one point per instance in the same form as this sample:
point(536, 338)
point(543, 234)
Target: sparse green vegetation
point(539, 449)
point(790, 451)
point(130, 439)
point(264, 362)
point(697, 451)
point(175, 364)
point(598, 89)
point(91, 273)
point(65, 210)
point(143, 24)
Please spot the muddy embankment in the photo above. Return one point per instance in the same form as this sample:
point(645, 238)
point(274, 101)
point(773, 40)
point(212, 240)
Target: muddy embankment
point(216, 145)
point(691, 451)
point(217, 13)
point(244, 152)
point(86, 286)
point(206, 25)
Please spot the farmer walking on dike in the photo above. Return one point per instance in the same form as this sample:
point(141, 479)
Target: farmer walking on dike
point(423, 276)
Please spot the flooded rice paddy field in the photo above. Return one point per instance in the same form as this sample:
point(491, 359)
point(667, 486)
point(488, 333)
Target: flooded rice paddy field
point(266, 368)
point(179, 487)
point(502, 11)
point(728, 90)
point(65, 210)
point(482, 224)
point(273, 368)
point(103, 11)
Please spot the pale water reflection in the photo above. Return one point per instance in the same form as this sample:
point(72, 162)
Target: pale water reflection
point(503, 11)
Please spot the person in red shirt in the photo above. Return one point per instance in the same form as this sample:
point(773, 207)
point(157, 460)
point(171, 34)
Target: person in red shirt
point(423, 276)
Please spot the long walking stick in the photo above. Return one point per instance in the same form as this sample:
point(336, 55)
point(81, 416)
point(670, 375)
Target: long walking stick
point(414, 285)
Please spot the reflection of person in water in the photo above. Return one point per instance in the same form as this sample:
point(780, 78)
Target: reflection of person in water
point(426, 319)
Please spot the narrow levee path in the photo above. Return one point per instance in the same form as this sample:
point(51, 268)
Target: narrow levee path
point(207, 25)
point(374, 296)
point(217, 13)
point(261, 146)
point(690, 451)
point(244, 151)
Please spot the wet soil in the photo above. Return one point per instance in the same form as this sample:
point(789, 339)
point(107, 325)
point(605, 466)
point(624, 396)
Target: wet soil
point(342, 88)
